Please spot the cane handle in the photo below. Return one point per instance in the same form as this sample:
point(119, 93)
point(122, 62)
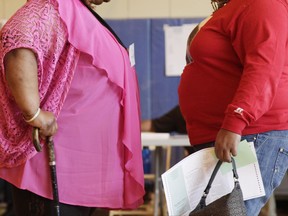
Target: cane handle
point(36, 140)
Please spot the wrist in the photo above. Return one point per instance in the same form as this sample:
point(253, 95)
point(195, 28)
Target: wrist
point(31, 118)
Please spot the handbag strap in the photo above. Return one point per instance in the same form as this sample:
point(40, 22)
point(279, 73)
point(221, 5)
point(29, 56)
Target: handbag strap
point(207, 189)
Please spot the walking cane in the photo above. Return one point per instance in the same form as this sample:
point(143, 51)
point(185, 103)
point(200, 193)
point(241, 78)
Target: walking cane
point(52, 165)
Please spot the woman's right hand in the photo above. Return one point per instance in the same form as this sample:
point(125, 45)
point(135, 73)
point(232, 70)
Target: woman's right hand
point(46, 123)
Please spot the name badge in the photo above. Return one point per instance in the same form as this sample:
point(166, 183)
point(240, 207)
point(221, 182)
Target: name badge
point(132, 54)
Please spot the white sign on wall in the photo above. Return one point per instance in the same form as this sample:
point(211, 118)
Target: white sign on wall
point(175, 47)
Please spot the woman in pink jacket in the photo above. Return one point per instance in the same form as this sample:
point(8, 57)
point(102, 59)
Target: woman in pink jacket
point(64, 71)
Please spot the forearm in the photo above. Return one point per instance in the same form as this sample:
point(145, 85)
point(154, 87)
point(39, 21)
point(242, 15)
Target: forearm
point(22, 79)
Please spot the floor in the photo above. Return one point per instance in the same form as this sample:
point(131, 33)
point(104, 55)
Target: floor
point(282, 209)
point(281, 205)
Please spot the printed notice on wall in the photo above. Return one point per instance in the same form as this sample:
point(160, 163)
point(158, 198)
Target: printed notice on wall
point(175, 47)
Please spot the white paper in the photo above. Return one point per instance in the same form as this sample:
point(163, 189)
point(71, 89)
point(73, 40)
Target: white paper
point(132, 54)
point(175, 47)
point(186, 181)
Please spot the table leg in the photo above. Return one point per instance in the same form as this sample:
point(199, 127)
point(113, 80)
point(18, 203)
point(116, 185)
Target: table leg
point(158, 170)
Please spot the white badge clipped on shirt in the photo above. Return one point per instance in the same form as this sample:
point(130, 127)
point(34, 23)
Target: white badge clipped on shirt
point(132, 54)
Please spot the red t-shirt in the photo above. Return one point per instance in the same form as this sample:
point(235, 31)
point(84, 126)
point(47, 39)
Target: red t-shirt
point(239, 77)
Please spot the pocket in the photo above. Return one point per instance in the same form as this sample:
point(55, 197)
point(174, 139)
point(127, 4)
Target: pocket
point(280, 167)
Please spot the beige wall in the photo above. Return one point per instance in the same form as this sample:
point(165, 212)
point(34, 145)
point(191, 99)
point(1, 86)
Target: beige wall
point(155, 9)
point(122, 9)
point(8, 7)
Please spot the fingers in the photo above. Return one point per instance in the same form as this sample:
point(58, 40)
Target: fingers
point(223, 155)
point(46, 123)
point(48, 126)
point(234, 150)
point(48, 130)
point(226, 153)
point(226, 145)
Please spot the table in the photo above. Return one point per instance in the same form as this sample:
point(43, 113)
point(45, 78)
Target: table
point(160, 140)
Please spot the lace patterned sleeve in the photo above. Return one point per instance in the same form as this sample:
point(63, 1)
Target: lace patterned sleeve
point(36, 26)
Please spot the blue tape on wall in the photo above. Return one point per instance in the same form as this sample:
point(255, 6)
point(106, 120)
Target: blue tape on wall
point(158, 92)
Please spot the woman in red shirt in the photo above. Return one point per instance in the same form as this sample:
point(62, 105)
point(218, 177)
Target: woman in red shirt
point(237, 86)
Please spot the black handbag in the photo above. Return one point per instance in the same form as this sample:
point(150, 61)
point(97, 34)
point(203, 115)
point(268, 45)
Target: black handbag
point(231, 204)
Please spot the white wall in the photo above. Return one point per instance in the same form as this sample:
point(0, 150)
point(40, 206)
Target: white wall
point(123, 9)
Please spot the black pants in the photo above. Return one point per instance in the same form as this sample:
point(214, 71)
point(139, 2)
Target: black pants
point(6, 197)
point(30, 204)
point(196, 148)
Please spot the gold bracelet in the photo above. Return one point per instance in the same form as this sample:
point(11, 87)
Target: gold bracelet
point(34, 117)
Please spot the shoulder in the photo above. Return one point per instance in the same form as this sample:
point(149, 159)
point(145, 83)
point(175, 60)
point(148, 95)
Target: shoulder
point(33, 26)
point(256, 13)
point(34, 14)
point(264, 7)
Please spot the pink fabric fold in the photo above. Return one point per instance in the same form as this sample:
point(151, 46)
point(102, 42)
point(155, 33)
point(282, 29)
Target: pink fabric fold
point(76, 15)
